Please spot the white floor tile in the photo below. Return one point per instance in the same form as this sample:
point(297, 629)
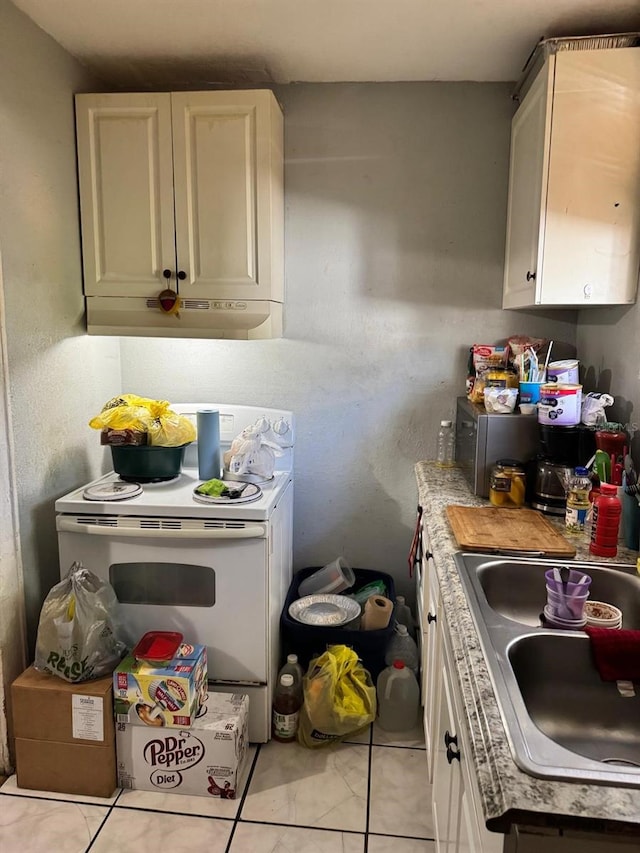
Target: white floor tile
point(33, 826)
point(400, 794)
point(11, 787)
point(324, 787)
point(127, 831)
point(361, 737)
point(389, 844)
point(181, 804)
point(413, 738)
point(258, 838)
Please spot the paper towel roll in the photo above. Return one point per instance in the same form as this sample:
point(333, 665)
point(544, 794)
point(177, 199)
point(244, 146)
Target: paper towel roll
point(377, 613)
point(208, 422)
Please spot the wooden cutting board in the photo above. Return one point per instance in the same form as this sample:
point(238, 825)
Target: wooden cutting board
point(514, 531)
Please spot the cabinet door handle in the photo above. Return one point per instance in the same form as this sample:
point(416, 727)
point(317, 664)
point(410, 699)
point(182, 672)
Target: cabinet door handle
point(530, 275)
point(431, 618)
point(450, 739)
point(166, 273)
point(182, 275)
point(452, 754)
point(428, 555)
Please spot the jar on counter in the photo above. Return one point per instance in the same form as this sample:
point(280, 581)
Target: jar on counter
point(508, 481)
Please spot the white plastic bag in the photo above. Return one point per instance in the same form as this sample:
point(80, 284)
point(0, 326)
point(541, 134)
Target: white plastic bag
point(80, 635)
point(593, 406)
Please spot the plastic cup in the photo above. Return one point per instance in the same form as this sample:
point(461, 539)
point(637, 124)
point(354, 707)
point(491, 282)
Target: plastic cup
point(530, 392)
point(335, 577)
point(554, 621)
point(566, 606)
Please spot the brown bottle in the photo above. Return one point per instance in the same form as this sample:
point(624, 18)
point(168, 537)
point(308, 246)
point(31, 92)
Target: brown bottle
point(286, 710)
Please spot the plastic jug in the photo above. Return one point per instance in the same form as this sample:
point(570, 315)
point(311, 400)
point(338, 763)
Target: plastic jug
point(403, 616)
point(402, 647)
point(398, 698)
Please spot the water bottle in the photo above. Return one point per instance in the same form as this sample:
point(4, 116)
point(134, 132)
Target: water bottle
point(398, 698)
point(446, 439)
point(578, 504)
point(292, 667)
point(605, 520)
point(403, 616)
point(402, 647)
point(286, 710)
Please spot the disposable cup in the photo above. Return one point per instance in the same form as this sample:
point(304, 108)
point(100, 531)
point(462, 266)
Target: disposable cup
point(566, 624)
point(566, 606)
point(530, 392)
point(335, 577)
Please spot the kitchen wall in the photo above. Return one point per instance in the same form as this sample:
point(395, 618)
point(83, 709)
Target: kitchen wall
point(608, 346)
point(58, 376)
point(395, 224)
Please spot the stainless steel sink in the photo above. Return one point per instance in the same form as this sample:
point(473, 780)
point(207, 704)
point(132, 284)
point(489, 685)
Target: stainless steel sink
point(516, 589)
point(561, 719)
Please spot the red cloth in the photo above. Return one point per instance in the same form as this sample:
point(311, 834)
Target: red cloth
point(616, 653)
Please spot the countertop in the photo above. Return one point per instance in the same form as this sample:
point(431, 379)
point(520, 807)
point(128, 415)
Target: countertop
point(508, 794)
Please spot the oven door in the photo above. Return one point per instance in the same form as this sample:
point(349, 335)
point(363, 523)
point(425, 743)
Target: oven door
point(208, 582)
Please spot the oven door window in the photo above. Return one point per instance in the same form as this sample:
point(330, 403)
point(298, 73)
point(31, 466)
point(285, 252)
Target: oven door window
point(165, 584)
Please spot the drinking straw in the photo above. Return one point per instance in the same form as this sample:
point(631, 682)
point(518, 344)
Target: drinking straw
point(546, 361)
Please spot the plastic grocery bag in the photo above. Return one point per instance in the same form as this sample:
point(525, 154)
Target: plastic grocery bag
point(80, 635)
point(164, 427)
point(339, 698)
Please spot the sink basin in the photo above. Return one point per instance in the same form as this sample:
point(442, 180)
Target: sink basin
point(517, 589)
point(568, 701)
point(562, 721)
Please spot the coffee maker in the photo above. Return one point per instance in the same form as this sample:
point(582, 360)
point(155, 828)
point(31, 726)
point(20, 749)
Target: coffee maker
point(561, 448)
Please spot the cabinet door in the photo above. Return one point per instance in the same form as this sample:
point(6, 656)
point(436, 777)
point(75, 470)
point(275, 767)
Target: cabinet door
point(527, 190)
point(126, 193)
point(228, 194)
point(446, 773)
point(432, 664)
point(592, 227)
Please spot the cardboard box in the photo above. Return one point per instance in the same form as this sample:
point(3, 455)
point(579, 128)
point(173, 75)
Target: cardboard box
point(64, 734)
point(205, 760)
point(156, 695)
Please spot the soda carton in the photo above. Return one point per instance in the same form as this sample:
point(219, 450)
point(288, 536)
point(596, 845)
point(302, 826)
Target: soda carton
point(206, 760)
point(158, 693)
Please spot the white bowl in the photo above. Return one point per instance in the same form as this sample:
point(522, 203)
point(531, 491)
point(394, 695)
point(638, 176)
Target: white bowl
point(601, 614)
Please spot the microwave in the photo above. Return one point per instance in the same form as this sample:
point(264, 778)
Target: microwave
point(483, 438)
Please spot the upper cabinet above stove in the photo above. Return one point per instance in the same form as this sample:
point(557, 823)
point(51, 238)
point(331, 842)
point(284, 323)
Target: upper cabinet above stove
point(182, 191)
point(573, 222)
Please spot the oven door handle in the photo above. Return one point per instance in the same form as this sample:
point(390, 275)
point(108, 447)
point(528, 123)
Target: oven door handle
point(249, 531)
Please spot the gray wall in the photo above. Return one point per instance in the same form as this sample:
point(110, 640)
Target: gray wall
point(609, 351)
point(58, 376)
point(395, 222)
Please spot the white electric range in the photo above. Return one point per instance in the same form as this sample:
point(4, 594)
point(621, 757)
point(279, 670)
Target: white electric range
point(219, 574)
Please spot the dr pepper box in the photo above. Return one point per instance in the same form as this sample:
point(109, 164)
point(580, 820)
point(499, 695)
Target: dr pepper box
point(205, 760)
point(64, 734)
point(161, 693)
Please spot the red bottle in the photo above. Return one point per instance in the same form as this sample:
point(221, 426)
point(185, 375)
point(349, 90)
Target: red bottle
point(605, 522)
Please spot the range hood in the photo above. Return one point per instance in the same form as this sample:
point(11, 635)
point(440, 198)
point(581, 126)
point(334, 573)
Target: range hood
point(238, 320)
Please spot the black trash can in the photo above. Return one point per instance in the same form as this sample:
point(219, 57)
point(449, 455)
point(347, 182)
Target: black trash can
point(308, 641)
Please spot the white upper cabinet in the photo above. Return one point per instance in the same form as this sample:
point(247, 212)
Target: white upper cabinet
point(573, 222)
point(182, 191)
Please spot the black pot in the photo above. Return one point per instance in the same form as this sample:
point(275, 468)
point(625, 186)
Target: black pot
point(147, 463)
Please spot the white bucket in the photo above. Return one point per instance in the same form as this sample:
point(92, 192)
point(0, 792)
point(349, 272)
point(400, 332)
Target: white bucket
point(563, 371)
point(560, 404)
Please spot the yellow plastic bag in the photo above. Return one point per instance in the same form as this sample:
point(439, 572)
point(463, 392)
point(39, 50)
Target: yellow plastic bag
point(164, 427)
point(339, 698)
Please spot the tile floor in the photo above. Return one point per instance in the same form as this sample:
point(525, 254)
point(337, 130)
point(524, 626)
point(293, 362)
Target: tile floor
point(369, 795)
